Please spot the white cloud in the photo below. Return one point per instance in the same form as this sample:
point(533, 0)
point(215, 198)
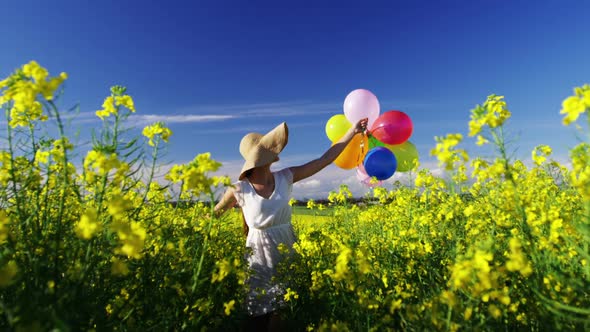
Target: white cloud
point(187, 118)
point(144, 119)
point(307, 184)
point(279, 109)
point(210, 113)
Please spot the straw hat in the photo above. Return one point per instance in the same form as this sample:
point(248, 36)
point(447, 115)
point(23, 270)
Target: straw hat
point(259, 150)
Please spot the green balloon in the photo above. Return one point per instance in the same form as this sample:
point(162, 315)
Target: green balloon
point(406, 155)
point(373, 142)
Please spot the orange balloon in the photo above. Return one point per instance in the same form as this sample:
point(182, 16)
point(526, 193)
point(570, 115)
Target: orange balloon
point(354, 153)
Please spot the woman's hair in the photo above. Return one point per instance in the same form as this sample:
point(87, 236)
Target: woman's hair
point(248, 172)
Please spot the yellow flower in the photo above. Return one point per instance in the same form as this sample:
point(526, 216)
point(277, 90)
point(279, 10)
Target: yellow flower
point(42, 157)
point(102, 162)
point(445, 150)
point(477, 122)
point(492, 113)
point(517, 261)
point(224, 268)
point(48, 88)
point(51, 286)
point(342, 260)
point(341, 196)
point(118, 206)
point(496, 109)
point(467, 313)
point(580, 175)
point(381, 194)
point(395, 305)
point(540, 153)
point(481, 140)
point(226, 181)
point(575, 105)
point(156, 130)
point(204, 163)
point(7, 273)
point(131, 237)
point(194, 175)
point(291, 294)
point(126, 101)
point(449, 298)
point(118, 267)
point(495, 311)
point(21, 90)
point(88, 224)
point(60, 146)
point(35, 71)
point(384, 280)
point(4, 226)
point(468, 211)
point(228, 307)
point(108, 108)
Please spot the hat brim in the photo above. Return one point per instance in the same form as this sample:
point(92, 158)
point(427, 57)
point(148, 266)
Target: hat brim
point(260, 150)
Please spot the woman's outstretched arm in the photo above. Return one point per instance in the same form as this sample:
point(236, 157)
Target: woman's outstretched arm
point(226, 202)
point(314, 166)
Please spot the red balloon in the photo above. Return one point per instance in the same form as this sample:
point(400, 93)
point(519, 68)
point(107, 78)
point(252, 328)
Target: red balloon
point(392, 127)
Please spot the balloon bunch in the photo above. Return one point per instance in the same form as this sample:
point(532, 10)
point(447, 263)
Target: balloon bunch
point(384, 150)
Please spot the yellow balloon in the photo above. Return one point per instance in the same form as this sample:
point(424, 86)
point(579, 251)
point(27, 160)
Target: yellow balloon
point(354, 153)
point(406, 155)
point(337, 126)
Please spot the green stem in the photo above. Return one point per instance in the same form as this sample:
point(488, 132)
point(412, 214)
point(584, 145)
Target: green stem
point(448, 320)
point(206, 242)
point(37, 223)
point(104, 180)
point(62, 190)
point(13, 178)
point(152, 171)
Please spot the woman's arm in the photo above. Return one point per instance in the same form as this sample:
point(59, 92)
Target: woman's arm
point(314, 166)
point(227, 201)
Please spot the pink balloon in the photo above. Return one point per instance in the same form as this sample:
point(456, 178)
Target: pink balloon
point(361, 168)
point(360, 104)
point(392, 127)
point(364, 178)
point(360, 175)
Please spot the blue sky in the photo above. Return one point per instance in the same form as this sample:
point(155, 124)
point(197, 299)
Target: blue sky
point(215, 70)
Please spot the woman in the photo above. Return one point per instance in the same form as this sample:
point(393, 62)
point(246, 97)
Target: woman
point(264, 197)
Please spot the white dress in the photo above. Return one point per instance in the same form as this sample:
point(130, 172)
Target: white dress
point(269, 222)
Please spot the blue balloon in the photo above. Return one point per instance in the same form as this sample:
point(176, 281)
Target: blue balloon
point(380, 162)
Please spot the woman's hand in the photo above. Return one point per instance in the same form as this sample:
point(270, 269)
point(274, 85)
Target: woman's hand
point(361, 126)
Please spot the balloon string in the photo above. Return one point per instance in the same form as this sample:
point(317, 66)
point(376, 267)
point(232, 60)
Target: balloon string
point(358, 156)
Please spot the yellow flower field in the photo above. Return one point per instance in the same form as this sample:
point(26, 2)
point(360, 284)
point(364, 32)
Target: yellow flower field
point(498, 245)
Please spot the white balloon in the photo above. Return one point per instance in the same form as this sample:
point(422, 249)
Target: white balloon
point(360, 104)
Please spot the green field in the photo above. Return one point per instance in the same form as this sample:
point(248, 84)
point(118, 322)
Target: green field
point(304, 211)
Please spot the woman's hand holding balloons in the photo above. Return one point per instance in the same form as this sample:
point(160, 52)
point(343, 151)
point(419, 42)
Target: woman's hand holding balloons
point(361, 126)
point(347, 152)
point(356, 146)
